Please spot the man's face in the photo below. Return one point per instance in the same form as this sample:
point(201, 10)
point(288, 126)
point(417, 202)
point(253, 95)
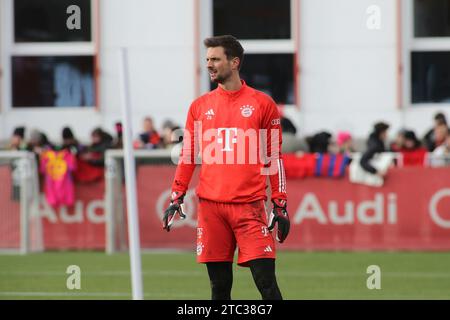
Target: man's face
point(219, 67)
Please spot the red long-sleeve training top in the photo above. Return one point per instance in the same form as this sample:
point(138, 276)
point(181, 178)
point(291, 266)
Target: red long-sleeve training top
point(237, 136)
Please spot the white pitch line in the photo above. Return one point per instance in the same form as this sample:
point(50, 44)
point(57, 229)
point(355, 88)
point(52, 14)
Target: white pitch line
point(103, 273)
point(399, 274)
point(64, 294)
point(87, 294)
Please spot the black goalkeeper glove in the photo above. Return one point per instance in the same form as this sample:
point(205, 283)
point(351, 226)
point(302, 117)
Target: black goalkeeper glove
point(176, 206)
point(280, 215)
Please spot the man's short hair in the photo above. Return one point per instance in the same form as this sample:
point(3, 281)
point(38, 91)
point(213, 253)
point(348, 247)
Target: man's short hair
point(231, 47)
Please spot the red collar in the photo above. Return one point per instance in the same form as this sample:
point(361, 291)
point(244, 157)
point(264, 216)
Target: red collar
point(232, 93)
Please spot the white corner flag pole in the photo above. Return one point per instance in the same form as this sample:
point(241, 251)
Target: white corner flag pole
point(130, 179)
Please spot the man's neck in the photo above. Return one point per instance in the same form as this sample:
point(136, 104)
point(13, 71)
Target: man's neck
point(232, 84)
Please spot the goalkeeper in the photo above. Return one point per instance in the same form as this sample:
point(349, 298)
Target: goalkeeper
point(232, 188)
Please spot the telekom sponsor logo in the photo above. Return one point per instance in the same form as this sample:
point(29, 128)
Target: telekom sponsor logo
point(230, 146)
point(230, 137)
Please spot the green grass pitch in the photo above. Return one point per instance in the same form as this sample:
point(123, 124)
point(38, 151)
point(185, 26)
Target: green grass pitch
point(175, 275)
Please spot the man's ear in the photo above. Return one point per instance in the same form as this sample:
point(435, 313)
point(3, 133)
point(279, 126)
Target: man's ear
point(235, 63)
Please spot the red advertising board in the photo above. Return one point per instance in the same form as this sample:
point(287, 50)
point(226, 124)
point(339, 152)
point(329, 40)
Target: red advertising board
point(9, 211)
point(79, 227)
point(411, 212)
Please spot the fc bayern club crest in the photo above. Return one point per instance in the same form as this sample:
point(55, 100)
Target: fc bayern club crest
point(247, 111)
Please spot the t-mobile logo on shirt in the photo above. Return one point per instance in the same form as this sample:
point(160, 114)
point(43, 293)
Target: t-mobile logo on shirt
point(230, 137)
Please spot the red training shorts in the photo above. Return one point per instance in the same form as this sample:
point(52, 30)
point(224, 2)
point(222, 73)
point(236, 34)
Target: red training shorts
point(222, 226)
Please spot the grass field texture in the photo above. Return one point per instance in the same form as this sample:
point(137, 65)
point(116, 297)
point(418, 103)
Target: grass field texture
point(301, 275)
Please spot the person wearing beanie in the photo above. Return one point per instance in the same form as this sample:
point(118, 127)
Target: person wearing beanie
point(69, 141)
point(344, 142)
point(412, 152)
point(67, 134)
point(319, 142)
point(411, 141)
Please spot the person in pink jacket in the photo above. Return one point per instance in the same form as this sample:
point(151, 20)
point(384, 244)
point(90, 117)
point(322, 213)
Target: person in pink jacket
point(57, 168)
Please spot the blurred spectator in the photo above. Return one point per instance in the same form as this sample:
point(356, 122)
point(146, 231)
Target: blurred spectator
point(441, 155)
point(38, 142)
point(319, 142)
point(411, 141)
point(176, 135)
point(118, 141)
point(344, 142)
point(168, 124)
point(17, 141)
point(375, 145)
point(287, 126)
point(167, 133)
point(399, 141)
point(430, 139)
point(57, 168)
point(412, 152)
point(95, 153)
point(440, 134)
point(149, 138)
point(69, 141)
point(291, 143)
point(172, 135)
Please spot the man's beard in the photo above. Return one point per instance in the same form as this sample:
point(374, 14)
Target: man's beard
point(222, 78)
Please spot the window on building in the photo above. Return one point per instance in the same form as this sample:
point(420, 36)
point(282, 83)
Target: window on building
point(429, 52)
point(265, 30)
point(270, 73)
point(430, 79)
point(47, 63)
point(45, 21)
point(253, 19)
point(432, 18)
point(58, 81)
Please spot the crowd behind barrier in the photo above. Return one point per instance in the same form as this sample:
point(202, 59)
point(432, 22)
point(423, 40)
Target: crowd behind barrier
point(322, 154)
point(331, 205)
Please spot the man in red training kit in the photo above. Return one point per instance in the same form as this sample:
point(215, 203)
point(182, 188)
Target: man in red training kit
point(236, 132)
